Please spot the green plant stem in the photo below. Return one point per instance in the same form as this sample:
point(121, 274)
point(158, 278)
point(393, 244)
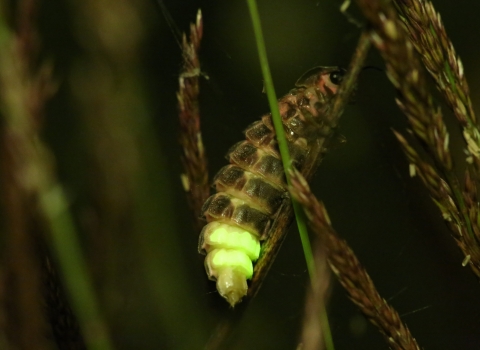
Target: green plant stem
point(74, 270)
point(281, 139)
point(287, 163)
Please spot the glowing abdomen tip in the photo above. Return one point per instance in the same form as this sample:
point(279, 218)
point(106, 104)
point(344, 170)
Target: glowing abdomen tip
point(232, 285)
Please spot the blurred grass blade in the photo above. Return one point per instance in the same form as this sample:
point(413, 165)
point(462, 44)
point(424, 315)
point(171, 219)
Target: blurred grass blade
point(33, 174)
point(74, 270)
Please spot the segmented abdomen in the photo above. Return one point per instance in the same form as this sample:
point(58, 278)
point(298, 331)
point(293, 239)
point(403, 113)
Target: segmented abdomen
point(251, 189)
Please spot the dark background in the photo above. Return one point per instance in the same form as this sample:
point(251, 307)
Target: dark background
point(386, 217)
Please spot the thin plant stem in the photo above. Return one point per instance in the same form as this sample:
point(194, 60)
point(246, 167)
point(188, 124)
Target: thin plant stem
point(349, 81)
point(316, 333)
point(287, 163)
point(272, 245)
point(277, 122)
point(339, 103)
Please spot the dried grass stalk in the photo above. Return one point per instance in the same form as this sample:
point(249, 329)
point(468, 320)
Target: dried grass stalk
point(350, 273)
point(407, 75)
point(437, 53)
point(349, 82)
point(436, 50)
point(315, 322)
point(194, 159)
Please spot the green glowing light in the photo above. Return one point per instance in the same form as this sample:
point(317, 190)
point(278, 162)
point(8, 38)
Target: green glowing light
point(235, 259)
point(232, 237)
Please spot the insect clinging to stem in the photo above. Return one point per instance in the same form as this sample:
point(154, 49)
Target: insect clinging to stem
point(252, 189)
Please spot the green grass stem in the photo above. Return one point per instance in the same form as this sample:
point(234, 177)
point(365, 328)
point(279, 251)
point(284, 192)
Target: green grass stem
point(64, 240)
point(287, 163)
point(281, 139)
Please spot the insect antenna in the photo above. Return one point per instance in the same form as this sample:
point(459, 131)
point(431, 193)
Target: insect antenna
point(374, 68)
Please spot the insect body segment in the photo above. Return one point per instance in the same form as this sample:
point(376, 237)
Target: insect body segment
point(251, 190)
